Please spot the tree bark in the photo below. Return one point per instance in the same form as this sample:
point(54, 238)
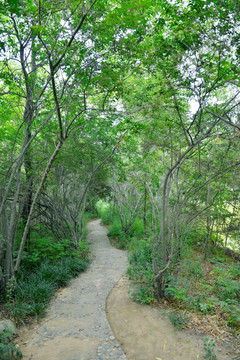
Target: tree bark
point(208, 221)
point(34, 202)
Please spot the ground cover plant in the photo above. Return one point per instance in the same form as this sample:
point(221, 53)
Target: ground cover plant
point(36, 284)
point(8, 351)
point(208, 287)
point(211, 287)
point(47, 265)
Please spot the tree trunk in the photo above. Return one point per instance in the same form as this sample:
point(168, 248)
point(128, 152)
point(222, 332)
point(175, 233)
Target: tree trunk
point(208, 222)
point(34, 202)
point(145, 211)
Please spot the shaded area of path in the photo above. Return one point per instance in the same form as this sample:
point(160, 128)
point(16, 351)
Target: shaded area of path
point(76, 326)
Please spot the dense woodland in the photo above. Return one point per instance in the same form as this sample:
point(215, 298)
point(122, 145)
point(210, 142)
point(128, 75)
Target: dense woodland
point(128, 110)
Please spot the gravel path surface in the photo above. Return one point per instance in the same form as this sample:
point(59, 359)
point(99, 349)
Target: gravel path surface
point(76, 326)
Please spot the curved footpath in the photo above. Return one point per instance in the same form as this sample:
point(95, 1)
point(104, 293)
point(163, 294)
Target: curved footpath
point(76, 326)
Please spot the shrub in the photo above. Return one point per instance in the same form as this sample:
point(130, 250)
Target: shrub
point(179, 320)
point(209, 346)
point(8, 351)
point(137, 229)
point(140, 271)
point(227, 289)
point(115, 229)
point(105, 211)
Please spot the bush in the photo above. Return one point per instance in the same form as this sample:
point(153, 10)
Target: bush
point(105, 211)
point(137, 229)
point(140, 271)
point(179, 320)
point(227, 289)
point(47, 248)
point(8, 351)
point(115, 229)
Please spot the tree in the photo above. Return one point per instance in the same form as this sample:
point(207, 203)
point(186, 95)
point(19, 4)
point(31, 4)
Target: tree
point(72, 63)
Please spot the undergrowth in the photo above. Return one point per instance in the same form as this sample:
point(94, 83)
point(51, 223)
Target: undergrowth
point(8, 351)
point(47, 264)
point(37, 283)
point(140, 271)
point(179, 320)
point(210, 288)
point(121, 238)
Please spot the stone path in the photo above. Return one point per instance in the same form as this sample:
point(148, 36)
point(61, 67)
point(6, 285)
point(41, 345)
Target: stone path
point(76, 326)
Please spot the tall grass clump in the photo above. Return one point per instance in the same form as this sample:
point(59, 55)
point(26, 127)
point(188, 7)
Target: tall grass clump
point(36, 286)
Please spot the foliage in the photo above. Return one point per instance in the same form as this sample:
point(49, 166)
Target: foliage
point(36, 286)
point(105, 211)
point(115, 232)
point(149, 90)
point(48, 248)
point(140, 271)
point(176, 290)
point(209, 346)
point(8, 351)
point(110, 217)
point(211, 288)
point(179, 320)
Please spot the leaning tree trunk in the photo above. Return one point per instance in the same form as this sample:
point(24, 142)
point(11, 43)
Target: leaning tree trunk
point(34, 202)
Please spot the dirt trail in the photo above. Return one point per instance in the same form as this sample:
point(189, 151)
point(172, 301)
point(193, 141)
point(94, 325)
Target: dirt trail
point(145, 334)
point(76, 326)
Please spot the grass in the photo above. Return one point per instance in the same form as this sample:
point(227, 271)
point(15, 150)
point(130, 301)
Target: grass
point(47, 264)
point(179, 320)
point(36, 286)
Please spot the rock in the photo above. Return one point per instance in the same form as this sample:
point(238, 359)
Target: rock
point(8, 325)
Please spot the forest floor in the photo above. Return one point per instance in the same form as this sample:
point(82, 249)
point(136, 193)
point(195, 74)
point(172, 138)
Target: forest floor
point(76, 326)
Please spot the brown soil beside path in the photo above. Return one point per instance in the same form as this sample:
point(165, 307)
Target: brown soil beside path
point(145, 334)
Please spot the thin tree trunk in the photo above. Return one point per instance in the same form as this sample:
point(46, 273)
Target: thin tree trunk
point(34, 202)
point(82, 218)
point(145, 210)
point(208, 221)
